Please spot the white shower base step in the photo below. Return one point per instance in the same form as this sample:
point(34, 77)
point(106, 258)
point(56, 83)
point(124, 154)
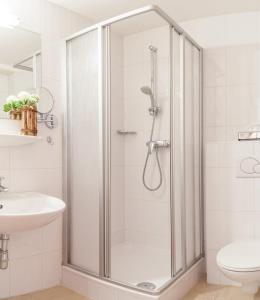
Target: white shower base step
point(136, 263)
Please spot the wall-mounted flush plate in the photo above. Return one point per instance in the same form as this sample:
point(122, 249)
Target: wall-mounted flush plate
point(248, 167)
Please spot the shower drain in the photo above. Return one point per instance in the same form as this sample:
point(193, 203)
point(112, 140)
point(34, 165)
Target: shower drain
point(147, 285)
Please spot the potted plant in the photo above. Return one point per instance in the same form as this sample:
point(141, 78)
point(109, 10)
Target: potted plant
point(23, 107)
point(29, 112)
point(13, 107)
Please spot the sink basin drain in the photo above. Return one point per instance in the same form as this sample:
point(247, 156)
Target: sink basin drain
point(147, 285)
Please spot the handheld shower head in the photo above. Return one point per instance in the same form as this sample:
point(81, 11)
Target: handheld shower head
point(147, 91)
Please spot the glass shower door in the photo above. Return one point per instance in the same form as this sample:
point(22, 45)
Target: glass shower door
point(140, 117)
point(83, 117)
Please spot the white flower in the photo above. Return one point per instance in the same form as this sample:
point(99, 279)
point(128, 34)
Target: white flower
point(23, 95)
point(11, 98)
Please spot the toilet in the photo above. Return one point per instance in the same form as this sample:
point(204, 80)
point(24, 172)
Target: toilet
point(240, 262)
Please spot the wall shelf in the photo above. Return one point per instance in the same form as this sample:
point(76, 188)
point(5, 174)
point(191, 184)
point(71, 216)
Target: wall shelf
point(12, 140)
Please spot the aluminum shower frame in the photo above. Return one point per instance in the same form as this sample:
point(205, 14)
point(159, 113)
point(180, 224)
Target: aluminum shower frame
point(104, 70)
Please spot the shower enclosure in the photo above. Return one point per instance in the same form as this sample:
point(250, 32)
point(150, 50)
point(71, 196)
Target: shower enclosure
point(133, 158)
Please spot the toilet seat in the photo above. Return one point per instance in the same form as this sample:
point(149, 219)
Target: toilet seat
point(241, 256)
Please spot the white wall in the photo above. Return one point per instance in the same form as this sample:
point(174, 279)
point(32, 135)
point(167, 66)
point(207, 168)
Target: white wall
point(4, 91)
point(35, 256)
point(147, 214)
point(231, 103)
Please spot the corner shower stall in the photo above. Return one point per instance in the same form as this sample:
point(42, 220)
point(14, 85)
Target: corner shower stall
point(133, 151)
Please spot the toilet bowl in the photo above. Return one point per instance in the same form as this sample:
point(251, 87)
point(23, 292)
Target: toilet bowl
point(240, 262)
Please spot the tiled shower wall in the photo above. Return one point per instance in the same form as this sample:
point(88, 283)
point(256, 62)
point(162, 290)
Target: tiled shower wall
point(231, 103)
point(142, 216)
point(35, 256)
point(147, 213)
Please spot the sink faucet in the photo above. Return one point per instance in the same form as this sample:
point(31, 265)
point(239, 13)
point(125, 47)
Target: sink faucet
point(2, 188)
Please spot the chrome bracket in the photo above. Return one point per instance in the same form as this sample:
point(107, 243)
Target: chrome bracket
point(49, 120)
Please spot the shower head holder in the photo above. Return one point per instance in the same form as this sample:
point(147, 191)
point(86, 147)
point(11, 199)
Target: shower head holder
point(154, 110)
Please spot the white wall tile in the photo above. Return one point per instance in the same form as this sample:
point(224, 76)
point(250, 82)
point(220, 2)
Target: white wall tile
point(4, 283)
point(239, 192)
point(213, 272)
point(242, 65)
point(238, 98)
point(26, 244)
point(46, 181)
point(51, 236)
point(256, 194)
point(51, 269)
point(215, 133)
point(215, 67)
point(21, 284)
point(240, 230)
point(215, 106)
point(215, 188)
point(217, 223)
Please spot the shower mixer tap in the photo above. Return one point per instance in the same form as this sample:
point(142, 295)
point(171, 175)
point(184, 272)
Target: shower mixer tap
point(153, 145)
point(2, 188)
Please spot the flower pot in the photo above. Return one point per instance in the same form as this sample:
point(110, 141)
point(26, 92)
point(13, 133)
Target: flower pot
point(29, 121)
point(15, 115)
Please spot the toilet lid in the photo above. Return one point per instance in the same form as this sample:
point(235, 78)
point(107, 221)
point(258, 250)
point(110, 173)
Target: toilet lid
point(240, 256)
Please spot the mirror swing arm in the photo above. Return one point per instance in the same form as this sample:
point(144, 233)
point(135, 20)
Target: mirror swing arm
point(47, 117)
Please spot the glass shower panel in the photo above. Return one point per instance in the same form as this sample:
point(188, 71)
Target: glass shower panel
point(140, 205)
point(197, 150)
point(192, 151)
point(177, 128)
point(189, 153)
point(83, 151)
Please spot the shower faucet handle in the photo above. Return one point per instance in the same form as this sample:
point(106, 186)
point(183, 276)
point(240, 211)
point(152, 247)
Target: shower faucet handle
point(157, 144)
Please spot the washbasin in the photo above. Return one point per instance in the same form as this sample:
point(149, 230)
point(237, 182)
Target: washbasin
point(27, 211)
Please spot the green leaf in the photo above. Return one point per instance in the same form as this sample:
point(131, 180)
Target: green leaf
point(7, 107)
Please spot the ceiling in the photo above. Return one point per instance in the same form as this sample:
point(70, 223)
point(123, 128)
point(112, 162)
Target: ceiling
point(179, 10)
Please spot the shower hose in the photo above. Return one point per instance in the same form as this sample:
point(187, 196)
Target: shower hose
point(149, 153)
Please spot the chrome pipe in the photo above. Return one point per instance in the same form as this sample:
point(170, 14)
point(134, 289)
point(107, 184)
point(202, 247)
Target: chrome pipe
point(4, 259)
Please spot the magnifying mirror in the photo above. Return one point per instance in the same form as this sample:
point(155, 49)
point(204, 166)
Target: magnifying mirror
point(46, 102)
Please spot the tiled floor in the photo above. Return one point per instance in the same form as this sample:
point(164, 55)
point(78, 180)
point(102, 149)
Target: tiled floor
point(204, 291)
point(56, 293)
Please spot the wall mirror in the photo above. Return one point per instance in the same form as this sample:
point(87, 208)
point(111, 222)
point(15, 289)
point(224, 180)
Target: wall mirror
point(20, 63)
